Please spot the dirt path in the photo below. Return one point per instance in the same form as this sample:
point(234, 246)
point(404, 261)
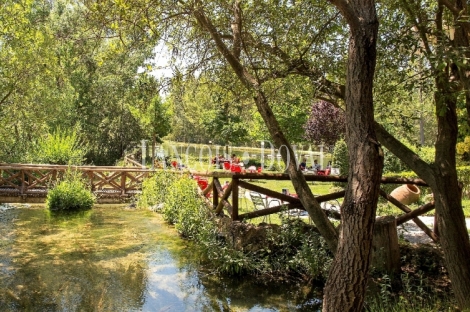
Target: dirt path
point(412, 233)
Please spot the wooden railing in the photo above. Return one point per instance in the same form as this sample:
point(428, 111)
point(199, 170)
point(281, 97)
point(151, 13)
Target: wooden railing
point(26, 182)
point(221, 198)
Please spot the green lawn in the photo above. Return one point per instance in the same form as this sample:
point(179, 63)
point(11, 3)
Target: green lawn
point(245, 204)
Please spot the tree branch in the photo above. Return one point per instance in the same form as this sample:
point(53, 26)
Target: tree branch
point(240, 71)
point(411, 159)
point(237, 29)
point(348, 13)
point(449, 5)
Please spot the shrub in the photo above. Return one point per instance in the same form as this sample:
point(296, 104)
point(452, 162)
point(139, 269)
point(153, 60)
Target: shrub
point(341, 157)
point(70, 194)
point(61, 147)
point(194, 214)
point(155, 188)
point(297, 248)
point(392, 163)
point(184, 207)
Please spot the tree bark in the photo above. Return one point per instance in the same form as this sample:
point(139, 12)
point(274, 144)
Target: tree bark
point(346, 285)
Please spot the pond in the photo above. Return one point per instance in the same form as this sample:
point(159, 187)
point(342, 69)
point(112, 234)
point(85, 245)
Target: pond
point(117, 259)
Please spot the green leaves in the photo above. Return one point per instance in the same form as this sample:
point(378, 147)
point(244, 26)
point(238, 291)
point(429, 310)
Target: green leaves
point(62, 147)
point(70, 194)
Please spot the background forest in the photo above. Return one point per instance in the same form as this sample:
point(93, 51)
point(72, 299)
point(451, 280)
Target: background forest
point(70, 73)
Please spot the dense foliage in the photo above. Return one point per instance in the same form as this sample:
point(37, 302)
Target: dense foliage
point(291, 249)
point(60, 69)
point(61, 147)
point(155, 188)
point(70, 194)
point(326, 124)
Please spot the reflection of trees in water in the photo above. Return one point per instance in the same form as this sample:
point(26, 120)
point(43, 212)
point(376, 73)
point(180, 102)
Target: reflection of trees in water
point(229, 293)
point(213, 292)
point(73, 265)
point(115, 260)
point(7, 234)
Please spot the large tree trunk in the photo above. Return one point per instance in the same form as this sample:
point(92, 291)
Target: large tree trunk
point(447, 191)
point(346, 285)
point(448, 195)
point(442, 175)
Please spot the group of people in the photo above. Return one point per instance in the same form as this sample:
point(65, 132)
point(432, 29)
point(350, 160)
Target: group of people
point(316, 166)
point(221, 159)
point(218, 159)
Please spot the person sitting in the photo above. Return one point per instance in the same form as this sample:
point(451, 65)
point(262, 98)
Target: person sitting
point(303, 164)
point(235, 159)
point(316, 165)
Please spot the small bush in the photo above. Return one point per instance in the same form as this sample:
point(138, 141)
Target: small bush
point(155, 188)
point(70, 194)
point(184, 207)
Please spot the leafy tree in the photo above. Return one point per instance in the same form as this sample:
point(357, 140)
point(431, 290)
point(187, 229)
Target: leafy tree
point(326, 124)
point(209, 111)
point(62, 147)
point(442, 45)
point(30, 89)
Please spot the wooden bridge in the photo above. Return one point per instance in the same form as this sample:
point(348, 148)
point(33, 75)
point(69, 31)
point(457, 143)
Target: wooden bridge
point(30, 183)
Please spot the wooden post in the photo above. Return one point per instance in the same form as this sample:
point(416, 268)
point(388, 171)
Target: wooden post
point(385, 250)
point(123, 183)
point(23, 182)
point(416, 220)
point(215, 192)
point(235, 199)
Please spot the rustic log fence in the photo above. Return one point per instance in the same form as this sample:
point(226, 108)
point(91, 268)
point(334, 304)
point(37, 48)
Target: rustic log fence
point(385, 242)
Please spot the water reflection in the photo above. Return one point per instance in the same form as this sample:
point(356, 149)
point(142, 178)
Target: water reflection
point(114, 259)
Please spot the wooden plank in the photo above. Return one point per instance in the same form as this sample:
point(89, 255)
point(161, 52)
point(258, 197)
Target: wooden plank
point(208, 189)
point(123, 183)
point(226, 195)
point(416, 220)
point(215, 191)
point(417, 212)
point(268, 192)
point(235, 199)
point(286, 207)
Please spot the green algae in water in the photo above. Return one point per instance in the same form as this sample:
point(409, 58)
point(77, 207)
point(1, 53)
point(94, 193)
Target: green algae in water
point(115, 259)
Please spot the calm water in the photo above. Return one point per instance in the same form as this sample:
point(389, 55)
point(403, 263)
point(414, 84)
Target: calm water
point(116, 259)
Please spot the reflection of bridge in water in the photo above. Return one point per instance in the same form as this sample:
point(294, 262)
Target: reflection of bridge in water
point(30, 183)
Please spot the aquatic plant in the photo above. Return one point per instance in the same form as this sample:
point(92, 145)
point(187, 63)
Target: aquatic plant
point(70, 194)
